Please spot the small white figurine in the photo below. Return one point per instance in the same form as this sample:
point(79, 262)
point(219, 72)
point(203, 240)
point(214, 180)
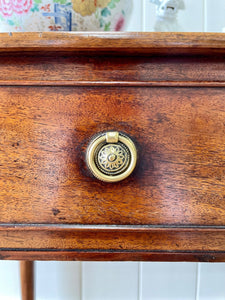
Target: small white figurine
point(166, 13)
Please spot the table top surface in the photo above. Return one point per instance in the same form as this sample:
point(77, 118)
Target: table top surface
point(114, 42)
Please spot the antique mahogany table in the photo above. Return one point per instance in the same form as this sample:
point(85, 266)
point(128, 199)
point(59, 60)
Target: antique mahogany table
point(162, 94)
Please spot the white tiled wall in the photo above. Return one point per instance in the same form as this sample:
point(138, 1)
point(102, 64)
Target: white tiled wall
point(168, 281)
point(215, 15)
point(99, 276)
point(199, 15)
point(122, 280)
point(118, 281)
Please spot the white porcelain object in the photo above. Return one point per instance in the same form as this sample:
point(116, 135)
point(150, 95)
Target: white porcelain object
point(166, 14)
point(64, 15)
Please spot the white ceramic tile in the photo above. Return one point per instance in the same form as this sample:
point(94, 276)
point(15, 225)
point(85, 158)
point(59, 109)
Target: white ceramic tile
point(149, 16)
point(211, 281)
point(136, 19)
point(9, 280)
point(57, 280)
point(169, 281)
point(110, 281)
point(215, 15)
point(191, 19)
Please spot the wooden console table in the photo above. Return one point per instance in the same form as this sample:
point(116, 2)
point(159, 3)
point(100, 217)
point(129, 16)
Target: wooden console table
point(166, 92)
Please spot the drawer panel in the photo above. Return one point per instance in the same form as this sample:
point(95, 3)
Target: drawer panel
point(179, 132)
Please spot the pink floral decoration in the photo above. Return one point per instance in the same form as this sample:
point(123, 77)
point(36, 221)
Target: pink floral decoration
point(119, 24)
point(8, 7)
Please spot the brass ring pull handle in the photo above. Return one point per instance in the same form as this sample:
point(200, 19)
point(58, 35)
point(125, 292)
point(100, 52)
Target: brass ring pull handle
point(111, 156)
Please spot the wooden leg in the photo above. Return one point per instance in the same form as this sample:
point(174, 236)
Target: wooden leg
point(27, 280)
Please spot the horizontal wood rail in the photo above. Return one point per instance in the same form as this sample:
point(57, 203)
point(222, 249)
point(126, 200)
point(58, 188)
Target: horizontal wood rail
point(113, 42)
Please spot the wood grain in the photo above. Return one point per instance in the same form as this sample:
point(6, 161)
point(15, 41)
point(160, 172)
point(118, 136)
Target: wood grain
point(80, 255)
point(80, 70)
point(114, 42)
point(70, 242)
point(57, 91)
point(180, 134)
point(104, 239)
point(27, 280)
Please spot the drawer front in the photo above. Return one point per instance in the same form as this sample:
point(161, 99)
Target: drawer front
point(179, 133)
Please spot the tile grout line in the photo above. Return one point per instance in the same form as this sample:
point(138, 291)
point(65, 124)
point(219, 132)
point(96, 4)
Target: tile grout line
point(197, 281)
point(140, 264)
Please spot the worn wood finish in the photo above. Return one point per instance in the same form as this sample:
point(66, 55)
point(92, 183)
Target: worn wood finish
point(115, 255)
point(113, 239)
point(114, 42)
point(27, 280)
point(179, 132)
point(53, 101)
point(80, 70)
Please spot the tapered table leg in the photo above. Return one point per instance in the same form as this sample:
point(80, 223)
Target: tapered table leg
point(27, 280)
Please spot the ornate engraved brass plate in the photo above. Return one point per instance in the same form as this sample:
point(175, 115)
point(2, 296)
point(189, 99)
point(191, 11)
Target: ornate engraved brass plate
point(111, 156)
